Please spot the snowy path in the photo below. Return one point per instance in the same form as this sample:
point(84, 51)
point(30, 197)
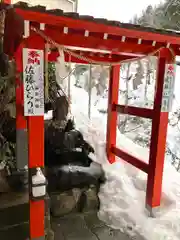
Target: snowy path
point(86, 227)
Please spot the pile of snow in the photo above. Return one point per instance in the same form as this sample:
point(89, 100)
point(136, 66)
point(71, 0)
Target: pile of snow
point(122, 197)
point(123, 201)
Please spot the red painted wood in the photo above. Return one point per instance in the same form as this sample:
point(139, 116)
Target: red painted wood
point(7, 1)
point(36, 141)
point(112, 115)
point(97, 43)
point(130, 159)
point(158, 139)
point(135, 111)
point(95, 27)
point(36, 159)
point(36, 154)
point(36, 220)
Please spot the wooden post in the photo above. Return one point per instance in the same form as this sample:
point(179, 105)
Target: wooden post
point(36, 159)
point(112, 114)
point(36, 155)
point(158, 138)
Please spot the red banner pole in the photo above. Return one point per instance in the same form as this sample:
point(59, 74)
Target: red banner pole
point(36, 154)
point(36, 159)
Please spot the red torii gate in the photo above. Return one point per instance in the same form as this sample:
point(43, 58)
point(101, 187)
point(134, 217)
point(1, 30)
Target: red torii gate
point(123, 41)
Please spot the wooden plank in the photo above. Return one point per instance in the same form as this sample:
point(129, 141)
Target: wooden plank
point(93, 26)
point(134, 111)
point(112, 115)
point(131, 159)
point(77, 40)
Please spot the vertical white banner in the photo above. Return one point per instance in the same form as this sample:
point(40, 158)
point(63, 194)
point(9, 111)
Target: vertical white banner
point(168, 89)
point(33, 78)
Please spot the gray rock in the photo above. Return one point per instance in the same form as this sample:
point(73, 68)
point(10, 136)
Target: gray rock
point(65, 203)
point(75, 201)
point(4, 186)
point(91, 202)
point(49, 235)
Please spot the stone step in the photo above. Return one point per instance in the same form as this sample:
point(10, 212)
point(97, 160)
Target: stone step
point(14, 215)
point(86, 227)
point(14, 209)
point(74, 201)
point(20, 232)
point(13, 199)
point(14, 222)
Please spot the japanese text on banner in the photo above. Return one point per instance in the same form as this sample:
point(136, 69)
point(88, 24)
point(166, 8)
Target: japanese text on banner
point(168, 89)
point(33, 77)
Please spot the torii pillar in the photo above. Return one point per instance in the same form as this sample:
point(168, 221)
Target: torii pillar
point(159, 115)
point(158, 134)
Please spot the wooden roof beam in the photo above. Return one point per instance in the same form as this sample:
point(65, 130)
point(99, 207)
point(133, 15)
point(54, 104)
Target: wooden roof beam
point(76, 40)
point(95, 27)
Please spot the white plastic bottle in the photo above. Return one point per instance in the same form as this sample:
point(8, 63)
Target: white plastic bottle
point(38, 184)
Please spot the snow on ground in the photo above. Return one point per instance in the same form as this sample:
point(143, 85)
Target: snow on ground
point(122, 197)
point(123, 201)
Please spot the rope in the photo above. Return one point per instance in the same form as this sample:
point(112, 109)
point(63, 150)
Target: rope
point(90, 61)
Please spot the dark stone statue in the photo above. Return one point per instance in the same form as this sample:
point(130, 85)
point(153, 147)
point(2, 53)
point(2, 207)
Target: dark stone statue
point(67, 160)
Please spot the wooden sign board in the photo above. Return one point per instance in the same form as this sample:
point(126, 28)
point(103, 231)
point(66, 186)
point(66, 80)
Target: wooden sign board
point(33, 78)
point(168, 89)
